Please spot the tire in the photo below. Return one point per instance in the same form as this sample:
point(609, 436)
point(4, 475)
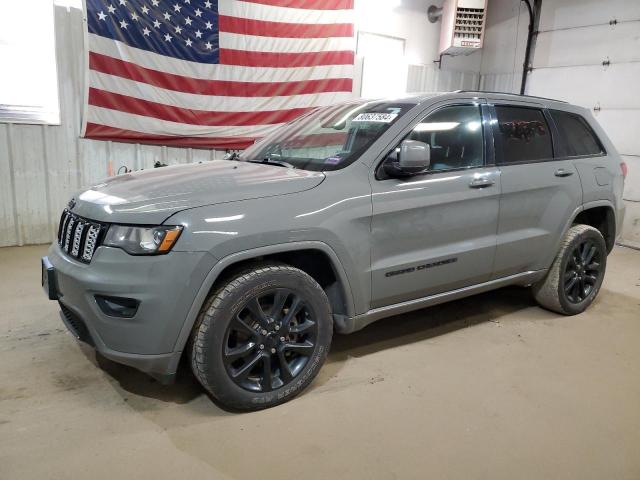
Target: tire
point(250, 348)
point(573, 281)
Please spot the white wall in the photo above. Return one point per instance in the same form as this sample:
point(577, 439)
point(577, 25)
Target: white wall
point(407, 20)
point(401, 19)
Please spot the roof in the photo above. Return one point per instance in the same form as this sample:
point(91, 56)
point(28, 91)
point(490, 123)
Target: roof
point(510, 95)
point(420, 97)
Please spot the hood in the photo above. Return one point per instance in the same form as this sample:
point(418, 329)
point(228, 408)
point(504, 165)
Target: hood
point(151, 196)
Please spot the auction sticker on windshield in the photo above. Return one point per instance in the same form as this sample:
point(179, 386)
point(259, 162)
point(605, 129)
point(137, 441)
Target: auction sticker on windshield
point(332, 160)
point(376, 117)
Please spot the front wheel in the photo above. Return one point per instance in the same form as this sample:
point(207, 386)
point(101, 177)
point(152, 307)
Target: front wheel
point(262, 337)
point(576, 275)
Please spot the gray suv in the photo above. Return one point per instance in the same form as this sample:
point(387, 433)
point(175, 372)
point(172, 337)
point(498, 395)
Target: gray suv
point(246, 267)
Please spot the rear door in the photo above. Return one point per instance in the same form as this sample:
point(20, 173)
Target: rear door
point(540, 193)
point(436, 232)
point(577, 141)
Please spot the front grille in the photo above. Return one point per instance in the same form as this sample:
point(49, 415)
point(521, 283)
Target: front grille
point(79, 237)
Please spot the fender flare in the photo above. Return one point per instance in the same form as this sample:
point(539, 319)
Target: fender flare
point(233, 258)
point(598, 203)
point(577, 211)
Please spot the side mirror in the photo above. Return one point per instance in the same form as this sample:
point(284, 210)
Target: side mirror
point(410, 158)
point(415, 157)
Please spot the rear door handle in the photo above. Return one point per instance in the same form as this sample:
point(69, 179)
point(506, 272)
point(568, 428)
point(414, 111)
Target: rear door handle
point(561, 172)
point(481, 182)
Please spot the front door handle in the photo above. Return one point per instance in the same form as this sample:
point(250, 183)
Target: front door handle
point(561, 172)
point(481, 182)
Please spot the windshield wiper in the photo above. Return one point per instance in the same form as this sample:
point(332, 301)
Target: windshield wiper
point(269, 161)
point(232, 156)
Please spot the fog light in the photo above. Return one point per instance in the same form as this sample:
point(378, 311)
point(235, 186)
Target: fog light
point(118, 306)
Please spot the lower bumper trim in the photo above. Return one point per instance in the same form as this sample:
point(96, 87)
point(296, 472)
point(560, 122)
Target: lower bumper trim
point(76, 325)
point(162, 367)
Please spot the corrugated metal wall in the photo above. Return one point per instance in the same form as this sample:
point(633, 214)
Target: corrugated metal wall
point(41, 166)
point(501, 82)
point(425, 78)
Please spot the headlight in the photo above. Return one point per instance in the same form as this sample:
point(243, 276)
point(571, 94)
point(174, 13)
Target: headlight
point(142, 240)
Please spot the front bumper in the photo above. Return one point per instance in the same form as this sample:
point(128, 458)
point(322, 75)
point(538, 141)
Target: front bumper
point(164, 285)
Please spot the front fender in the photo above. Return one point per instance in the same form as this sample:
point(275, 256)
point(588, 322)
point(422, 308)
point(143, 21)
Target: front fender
point(234, 258)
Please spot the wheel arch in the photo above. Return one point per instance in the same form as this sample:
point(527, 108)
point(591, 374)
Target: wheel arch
point(338, 291)
point(600, 215)
point(589, 214)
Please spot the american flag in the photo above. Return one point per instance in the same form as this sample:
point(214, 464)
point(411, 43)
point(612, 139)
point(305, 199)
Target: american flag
point(215, 74)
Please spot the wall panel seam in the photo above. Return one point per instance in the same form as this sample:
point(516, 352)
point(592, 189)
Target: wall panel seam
point(12, 182)
point(47, 187)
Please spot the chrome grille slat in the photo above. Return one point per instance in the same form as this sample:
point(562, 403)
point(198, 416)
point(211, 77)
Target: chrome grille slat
point(90, 243)
point(67, 234)
point(79, 237)
point(76, 239)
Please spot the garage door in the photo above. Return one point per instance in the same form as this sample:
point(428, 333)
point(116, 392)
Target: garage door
point(588, 53)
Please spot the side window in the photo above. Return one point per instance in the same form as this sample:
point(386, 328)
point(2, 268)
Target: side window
point(522, 134)
point(576, 136)
point(455, 136)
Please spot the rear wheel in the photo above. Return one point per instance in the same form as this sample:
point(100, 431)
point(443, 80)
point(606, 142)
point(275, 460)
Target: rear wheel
point(262, 337)
point(576, 275)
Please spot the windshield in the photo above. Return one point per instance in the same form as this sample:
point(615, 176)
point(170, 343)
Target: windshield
point(329, 138)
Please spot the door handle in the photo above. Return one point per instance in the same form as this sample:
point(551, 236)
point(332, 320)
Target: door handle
point(481, 182)
point(561, 172)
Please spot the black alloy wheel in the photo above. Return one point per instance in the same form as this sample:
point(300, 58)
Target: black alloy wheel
point(583, 271)
point(261, 336)
point(575, 277)
point(270, 340)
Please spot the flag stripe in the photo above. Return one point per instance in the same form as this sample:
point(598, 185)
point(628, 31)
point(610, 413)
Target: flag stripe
point(215, 74)
point(264, 28)
point(308, 4)
point(156, 126)
point(204, 71)
point(180, 83)
point(277, 13)
point(103, 132)
point(138, 106)
point(285, 60)
point(252, 43)
point(210, 101)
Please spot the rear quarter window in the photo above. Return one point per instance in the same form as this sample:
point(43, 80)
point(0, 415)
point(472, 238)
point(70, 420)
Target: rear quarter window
point(575, 135)
point(522, 135)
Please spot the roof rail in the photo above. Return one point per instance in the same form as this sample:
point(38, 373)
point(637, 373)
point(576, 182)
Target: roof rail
point(509, 93)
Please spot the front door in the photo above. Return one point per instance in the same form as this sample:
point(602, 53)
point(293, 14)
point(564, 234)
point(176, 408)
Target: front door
point(436, 232)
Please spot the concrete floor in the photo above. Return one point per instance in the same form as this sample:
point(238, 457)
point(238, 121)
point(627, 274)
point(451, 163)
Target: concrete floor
point(488, 387)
